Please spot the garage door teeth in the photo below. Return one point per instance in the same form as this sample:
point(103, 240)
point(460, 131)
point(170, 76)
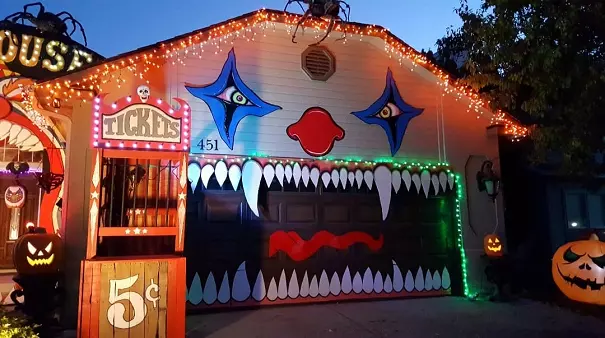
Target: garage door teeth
point(384, 180)
point(305, 174)
point(241, 288)
point(335, 285)
point(296, 174)
point(288, 173)
point(259, 291)
point(252, 174)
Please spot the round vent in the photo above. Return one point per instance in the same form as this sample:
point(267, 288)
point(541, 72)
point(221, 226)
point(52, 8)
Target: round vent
point(318, 63)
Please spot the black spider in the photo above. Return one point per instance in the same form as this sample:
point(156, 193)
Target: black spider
point(48, 22)
point(326, 9)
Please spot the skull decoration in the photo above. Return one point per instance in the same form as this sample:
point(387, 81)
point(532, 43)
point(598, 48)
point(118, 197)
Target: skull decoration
point(143, 92)
point(492, 245)
point(14, 196)
point(37, 252)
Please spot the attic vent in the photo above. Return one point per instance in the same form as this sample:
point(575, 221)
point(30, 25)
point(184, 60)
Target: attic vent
point(318, 63)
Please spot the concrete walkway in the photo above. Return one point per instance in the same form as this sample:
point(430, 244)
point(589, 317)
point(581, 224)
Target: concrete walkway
point(435, 317)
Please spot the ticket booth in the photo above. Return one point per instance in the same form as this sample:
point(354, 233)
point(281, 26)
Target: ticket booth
point(132, 282)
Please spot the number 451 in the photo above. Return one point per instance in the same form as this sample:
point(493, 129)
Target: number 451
point(208, 144)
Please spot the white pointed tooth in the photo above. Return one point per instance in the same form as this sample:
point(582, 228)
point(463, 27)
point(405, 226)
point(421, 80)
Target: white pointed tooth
point(443, 180)
point(407, 179)
point(378, 282)
point(428, 281)
point(206, 173)
point(296, 174)
point(383, 179)
point(305, 174)
point(221, 172)
point(272, 290)
point(315, 177)
point(335, 177)
point(23, 135)
point(451, 180)
point(357, 283)
point(388, 284)
point(368, 177)
point(224, 293)
point(304, 286)
point(36, 147)
point(347, 285)
point(324, 284)
point(195, 294)
point(259, 291)
point(397, 278)
point(288, 173)
point(436, 280)
point(293, 290)
point(282, 288)
point(5, 128)
point(416, 181)
point(368, 281)
point(235, 174)
point(419, 281)
point(335, 285)
point(358, 178)
point(351, 177)
point(241, 287)
point(210, 290)
point(193, 175)
point(425, 179)
point(30, 141)
point(251, 177)
point(313, 287)
point(343, 177)
point(409, 282)
point(12, 136)
point(279, 173)
point(325, 178)
point(445, 279)
point(396, 180)
point(435, 181)
point(268, 174)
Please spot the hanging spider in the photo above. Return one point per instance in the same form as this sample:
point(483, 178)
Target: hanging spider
point(48, 22)
point(326, 9)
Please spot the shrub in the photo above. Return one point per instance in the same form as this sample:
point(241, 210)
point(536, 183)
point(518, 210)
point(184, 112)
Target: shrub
point(13, 326)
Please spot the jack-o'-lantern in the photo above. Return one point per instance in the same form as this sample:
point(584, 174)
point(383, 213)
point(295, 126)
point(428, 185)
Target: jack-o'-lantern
point(14, 196)
point(37, 252)
point(492, 245)
point(578, 269)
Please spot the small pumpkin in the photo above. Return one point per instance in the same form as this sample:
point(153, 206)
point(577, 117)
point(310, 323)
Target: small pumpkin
point(37, 252)
point(578, 270)
point(492, 245)
point(14, 196)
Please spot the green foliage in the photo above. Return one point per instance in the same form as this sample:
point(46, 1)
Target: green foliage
point(15, 327)
point(543, 61)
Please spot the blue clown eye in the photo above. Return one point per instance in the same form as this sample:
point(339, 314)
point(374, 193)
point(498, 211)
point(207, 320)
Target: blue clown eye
point(233, 95)
point(389, 111)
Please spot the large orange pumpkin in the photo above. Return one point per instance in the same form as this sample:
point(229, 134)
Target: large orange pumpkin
point(578, 269)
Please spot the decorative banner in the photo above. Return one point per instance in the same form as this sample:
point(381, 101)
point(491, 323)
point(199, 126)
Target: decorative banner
point(141, 122)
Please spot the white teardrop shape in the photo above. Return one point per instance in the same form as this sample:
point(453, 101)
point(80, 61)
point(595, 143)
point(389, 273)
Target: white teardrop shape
point(305, 174)
point(210, 290)
point(416, 181)
point(288, 173)
point(195, 294)
point(335, 285)
point(378, 282)
point(325, 178)
point(206, 173)
point(12, 136)
point(343, 177)
point(335, 177)
point(351, 177)
point(358, 178)
point(36, 147)
point(193, 175)
point(251, 177)
point(368, 177)
point(396, 180)
point(282, 288)
point(407, 179)
point(409, 282)
point(296, 174)
point(279, 173)
point(436, 280)
point(23, 135)
point(383, 179)
point(443, 180)
point(428, 281)
point(224, 293)
point(388, 284)
point(5, 128)
point(425, 180)
point(451, 180)
point(268, 174)
point(357, 283)
point(445, 279)
point(241, 287)
point(293, 286)
point(347, 285)
point(235, 174)
point(313, 287)
point(419, 281)
point(324, 284)
point(315, 177)
point(221, 172)
point(368, 281)
point(397, 278)
point(272, 291)
point(435, 181)
point(304, 286)
point(259, 291)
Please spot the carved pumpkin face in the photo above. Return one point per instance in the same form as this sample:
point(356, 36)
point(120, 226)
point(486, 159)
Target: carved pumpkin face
point(578, 269)
point(14, 196)
point(492, 245)
point(38, 253)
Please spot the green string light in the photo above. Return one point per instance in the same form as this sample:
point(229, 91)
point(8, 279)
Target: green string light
point(460, 240)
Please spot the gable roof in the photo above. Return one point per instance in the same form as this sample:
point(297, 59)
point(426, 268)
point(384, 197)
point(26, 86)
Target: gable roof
point(66, 85)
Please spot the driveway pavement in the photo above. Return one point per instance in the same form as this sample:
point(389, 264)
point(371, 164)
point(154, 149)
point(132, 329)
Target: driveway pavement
point(433, 317)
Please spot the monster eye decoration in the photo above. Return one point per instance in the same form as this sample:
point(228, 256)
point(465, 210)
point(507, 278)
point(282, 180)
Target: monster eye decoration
point(391, 113)
point(230, 100)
